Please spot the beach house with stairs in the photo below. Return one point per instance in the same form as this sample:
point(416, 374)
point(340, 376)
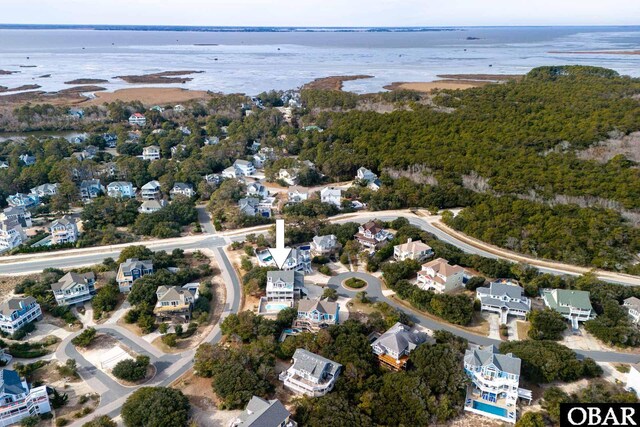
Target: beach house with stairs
point(504, 297)
point(18, 400)
point(394, 346)
point(310, 374)
point(575, 306)
point(495, 383)
point(315, 314)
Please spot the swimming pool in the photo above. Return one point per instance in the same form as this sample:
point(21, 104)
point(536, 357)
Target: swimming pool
point(276, 306)
point(491, 409)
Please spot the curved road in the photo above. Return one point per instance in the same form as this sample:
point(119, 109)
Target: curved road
point(170, 367)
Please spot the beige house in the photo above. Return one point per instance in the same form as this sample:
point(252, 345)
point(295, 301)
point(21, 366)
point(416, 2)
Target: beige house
point(440, 276)
point(415, 250)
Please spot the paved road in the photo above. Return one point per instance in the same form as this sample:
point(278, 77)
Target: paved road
point(374, 292)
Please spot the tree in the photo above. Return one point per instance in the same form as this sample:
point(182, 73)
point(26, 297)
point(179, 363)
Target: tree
point(101, 421)
point(330, 294)
point(131, 370)
point(531, 419)
point(546, 324)
point(156, 407)
point(58, 400)
point(135, 251)
point(32, 421)
point(85, 338)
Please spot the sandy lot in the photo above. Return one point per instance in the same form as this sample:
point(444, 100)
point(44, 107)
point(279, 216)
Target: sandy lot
point(428, 87)
point(149, 96)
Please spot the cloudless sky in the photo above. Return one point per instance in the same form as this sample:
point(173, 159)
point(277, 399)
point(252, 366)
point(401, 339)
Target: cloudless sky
point(322, 12)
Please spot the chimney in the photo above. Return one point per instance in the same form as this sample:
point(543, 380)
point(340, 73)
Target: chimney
point(409, 240)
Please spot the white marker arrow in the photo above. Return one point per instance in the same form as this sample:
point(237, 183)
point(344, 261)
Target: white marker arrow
point(280, 253)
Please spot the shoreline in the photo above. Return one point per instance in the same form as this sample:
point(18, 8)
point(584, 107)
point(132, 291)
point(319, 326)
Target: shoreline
point(428, 87)
point(148, 96)
point(333, 82)
point(597, 52)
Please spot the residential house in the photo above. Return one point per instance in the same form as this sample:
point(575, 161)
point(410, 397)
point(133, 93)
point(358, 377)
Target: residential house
point(137, 119)
point(495, 383)
point(121, 190)
point(27, 159)
point(20, 214)
point(440, 276)
point(90, 189)
point(633, 379)
point(267, 206)
point(110, 139)
point(574, 306)
point(18, 400)
point(372, 236)
point(17, 312)
point(264, 413)
point(212, 140)
point(157, 108)
point(331, 195)
point(374, 185)
point(394, 346)
point(213, 178)
point(151, 190)
point(151, 206)
point(326, 246)
point(77, 113)
point(504, 297)
point(74, 288)
point(244, 167)
point(310, 374)
point(63, 230)
point(297, 194)
point(290, 176)
point(12, 234)
point(415, 250)
point(283, 288)
point(315, 314)
point(299, 260)
point(182, 189)
point(230, 173)
point(130, 271)
point(23, 200)
point(364, 174)
point(259, 160)
point(252, 206)
point(4, 165)
point(184, 130)
point(177, 150)
point(175, 303)
point(632, 304)
point(45, 190)
point(152, 152)
point(257, 189)
point(179, 108)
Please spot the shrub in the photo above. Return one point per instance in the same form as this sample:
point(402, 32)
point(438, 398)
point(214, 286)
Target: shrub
point(131, 370)
point(60, 422)
point(355, 283)
point(170, 340)
point(156, 406)
point(23, 331)
point(85, 338)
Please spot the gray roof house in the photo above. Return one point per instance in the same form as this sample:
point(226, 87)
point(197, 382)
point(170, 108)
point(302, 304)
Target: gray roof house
point(175, 302)
point(495, 378)
point(325, 245)
point(182, 189)
point(504, 297)
point(17, 312)
point(393, 347)
point(632, 305)
point(315, 314)
point(310, 374)
point(74, 288)
point(131, 270)
point(45, 190)
point(264, 413)
point(18, 400)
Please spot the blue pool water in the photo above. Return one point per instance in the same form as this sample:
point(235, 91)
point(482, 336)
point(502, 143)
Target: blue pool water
point(491, 409)
point(276, 306)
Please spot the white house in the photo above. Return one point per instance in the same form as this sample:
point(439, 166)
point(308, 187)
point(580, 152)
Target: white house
point(574, 306)
point(259, 160)
point(310, 374)
point(372, 236)
point(495, 383)
point(504, 297)
point(364, 174)
point(244, 167)
point(415, 250)
point(151, 206)
point(137, 119)
point(63, 230)
point(264, 413)
point(23, 200)
point(257, 189)
point(130, 271)
point(27, 159)
point(297, 194)
point(633, 379)
point(177, 150)
point(331, 195)
point(212, 140)
point(182, 189)
point(4, 165)
point(17, 312)
point(282, 287)
point(440, 276)
point(121, 190)
point(175, 303)
point(12, 234)
point(230, 173)
point(151, 190)
point(45, 190)
point(152, 152)
point(327, 245)
point(179, 108)
point(290, 176)
point(18, 400)
point(632, 305)
point(394, 346)
point(74, 288)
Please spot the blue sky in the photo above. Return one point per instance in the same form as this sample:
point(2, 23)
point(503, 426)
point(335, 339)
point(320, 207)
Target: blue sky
point(323, 12)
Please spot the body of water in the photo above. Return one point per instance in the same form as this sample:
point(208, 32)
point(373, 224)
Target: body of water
point(254, 61)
